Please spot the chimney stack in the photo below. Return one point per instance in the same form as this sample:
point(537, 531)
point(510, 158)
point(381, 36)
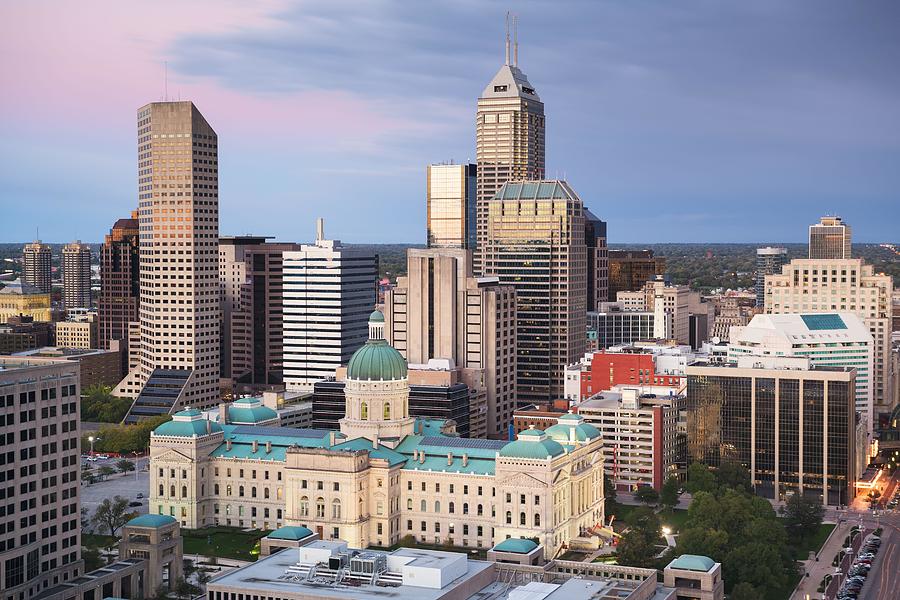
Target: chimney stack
point(465, 460)
point(268, 446)
point(223, 413)
point(331, 438)
point(449, 458)
point(228, 444)
point(255, 446)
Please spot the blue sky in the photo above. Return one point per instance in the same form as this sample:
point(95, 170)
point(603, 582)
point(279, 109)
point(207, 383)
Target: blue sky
point(690, 121)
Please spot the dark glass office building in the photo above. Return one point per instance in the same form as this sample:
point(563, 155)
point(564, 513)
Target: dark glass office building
point(795, 430)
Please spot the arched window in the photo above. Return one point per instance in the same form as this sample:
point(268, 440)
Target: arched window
point(304, 506)
point(335, 509)
point(437, 506)
point(480, 510)
point(537, 520)
point(387, 410)
point(253, 492)
point(364, 411)
point(424, 507)
point(320, 508)
point(172, 491)
point(452, 508)
point(266, 493)
point(162, 490)
point(521, 518)
point(508, 518)
point(241, 491)
point(228, 490)
point(184, 491)
point(465, 508)
point(409, 504)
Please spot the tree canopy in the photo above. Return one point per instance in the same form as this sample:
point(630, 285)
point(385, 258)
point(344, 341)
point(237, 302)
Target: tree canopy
point(637, 546)
point(646, 494)
point(112, 514)
point(99, 405)
point(124, 439)
point(669, 495)
point(802, 515)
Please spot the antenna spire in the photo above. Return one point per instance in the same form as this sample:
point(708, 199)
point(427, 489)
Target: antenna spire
point(516, 43)
point(166, 80)
point(507, 37)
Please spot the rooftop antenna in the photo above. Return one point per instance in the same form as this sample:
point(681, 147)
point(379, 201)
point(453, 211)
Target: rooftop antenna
point(516, 37)
point(166, 80)
point(507, 38)
point(320, 229)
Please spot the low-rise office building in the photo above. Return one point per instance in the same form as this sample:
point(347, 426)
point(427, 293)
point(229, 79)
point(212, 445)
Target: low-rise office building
point(96, 367)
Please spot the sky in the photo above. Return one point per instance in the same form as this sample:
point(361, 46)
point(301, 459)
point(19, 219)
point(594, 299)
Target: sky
point(690, 121)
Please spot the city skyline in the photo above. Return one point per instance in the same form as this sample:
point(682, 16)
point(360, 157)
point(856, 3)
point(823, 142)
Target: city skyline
point(668, 114)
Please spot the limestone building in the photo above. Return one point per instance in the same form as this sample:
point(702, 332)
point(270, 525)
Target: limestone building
point(536, 242)
point(846, 285)
point(37, 261)
point(440, 311)
point(384, 476)
point(21, 299)
point(178, 193)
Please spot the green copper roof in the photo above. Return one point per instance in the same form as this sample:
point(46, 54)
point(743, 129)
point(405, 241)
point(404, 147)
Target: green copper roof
point(187, 426)
point(542, 449)
point(693, 562)
point(583, 432)
point(517, 545)
point(250, 414)
point(571, 417)
point(150, 521)
point(376, 317)
point(290, 532)
point(376, 361)
point(531, 433)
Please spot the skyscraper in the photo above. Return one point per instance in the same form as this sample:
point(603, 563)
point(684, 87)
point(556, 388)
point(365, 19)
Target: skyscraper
point(451, 206)
point(829, 239)
point(769, 261)
point(37, 260)
point(440, 311)
point(251, 282)
point(509, 136)
point(119, 281)
point(329, 293)
point(76, 271)
point(629, 270)
point(535, 241)
point(178, 211)
point(849, 285)
point(597, 261)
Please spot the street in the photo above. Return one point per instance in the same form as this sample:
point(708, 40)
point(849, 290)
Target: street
point(884, 578)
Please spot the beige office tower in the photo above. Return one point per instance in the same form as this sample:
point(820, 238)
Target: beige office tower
point(37, 259)
point(509, 137)
point(829, 239)
point(440, 311)
point(179, 282)
point(451, 206)
point(76, 272)
point(535, 241)
point(850, 285)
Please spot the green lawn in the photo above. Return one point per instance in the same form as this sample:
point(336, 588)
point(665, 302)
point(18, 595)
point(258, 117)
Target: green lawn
point(812, 542)
point(673, 518)
point(224, 542)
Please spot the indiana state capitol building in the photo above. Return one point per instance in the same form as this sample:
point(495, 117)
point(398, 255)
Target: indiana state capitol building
point(384, 476)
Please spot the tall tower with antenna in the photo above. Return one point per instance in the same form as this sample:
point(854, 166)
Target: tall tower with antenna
point(509, 133)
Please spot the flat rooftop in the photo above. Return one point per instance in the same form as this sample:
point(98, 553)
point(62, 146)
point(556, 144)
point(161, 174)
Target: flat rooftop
point(263, 577)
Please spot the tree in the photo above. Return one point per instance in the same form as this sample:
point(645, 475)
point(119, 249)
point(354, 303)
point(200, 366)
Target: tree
point(184, 589)
point(668, 496)
point(609, 490)
point(744, 591)
point(105, 471)
point(112, 514)
point(638, 545)
point(87, 476)
point(646, 495)
point(733, 475)
point(700, 479)
point(99, 405)
point(802, 515)
point(124, 465)
point(92, 559)
point(85, 520)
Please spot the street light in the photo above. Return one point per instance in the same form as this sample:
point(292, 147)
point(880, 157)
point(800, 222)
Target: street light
point(667, 531)
point(93, 439)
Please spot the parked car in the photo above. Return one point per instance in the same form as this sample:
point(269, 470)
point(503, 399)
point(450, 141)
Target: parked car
point(135, 504)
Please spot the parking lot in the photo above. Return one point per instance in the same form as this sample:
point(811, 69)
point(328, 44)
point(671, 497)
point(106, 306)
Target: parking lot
point(127, 485)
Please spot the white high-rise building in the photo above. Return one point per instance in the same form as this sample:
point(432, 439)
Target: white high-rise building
point(178, 213)
point(329, 293)
point(848, 285)
point(827, 339)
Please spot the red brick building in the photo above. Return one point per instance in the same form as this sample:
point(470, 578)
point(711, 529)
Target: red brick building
point(610, 369)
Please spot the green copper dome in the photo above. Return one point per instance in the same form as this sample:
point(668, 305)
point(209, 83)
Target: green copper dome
point(187, 423)
point(376, 360)
point(583, 432)
point(250, 410)
point(532, 443)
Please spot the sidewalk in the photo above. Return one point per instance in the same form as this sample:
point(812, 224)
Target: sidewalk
point(818, 570)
